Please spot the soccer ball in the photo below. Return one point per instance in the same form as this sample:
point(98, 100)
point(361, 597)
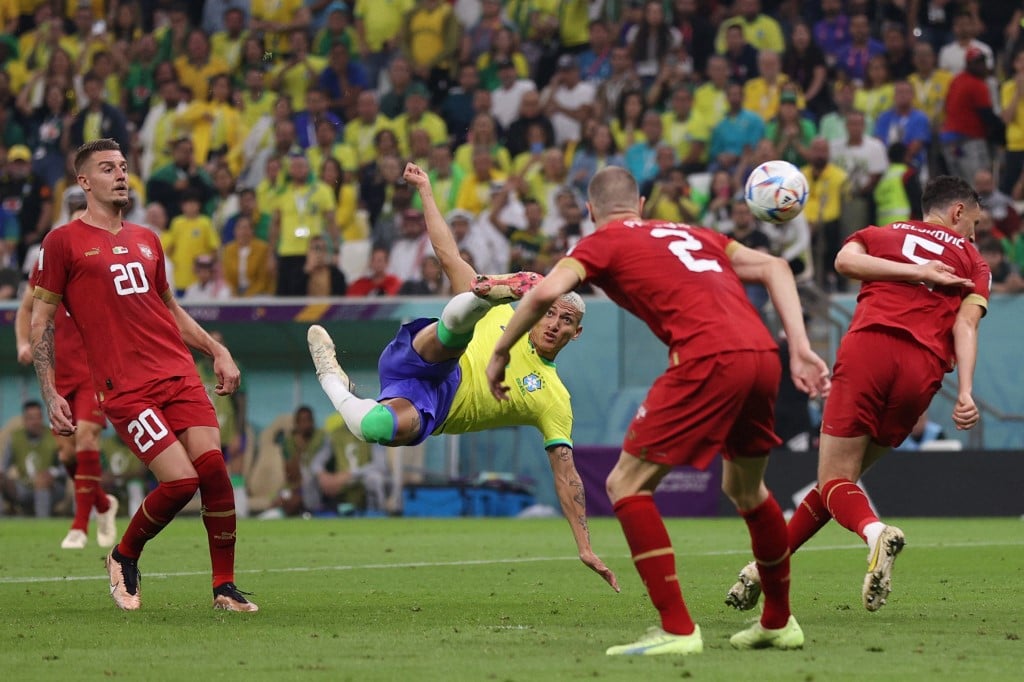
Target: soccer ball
point(776, 191)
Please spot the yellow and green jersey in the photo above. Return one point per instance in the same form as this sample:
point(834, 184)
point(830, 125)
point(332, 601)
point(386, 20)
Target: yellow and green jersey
point(537, 396)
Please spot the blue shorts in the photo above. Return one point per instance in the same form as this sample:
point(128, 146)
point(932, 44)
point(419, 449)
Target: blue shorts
point(429, 386)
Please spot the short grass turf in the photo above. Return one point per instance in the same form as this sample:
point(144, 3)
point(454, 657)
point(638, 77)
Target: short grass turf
point(468, 599)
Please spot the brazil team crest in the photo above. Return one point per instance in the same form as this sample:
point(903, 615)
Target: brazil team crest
point(530, 383)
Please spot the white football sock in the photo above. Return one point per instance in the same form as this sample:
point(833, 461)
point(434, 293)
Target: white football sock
point(351, 407)
point(872, 531)
point(463, 312)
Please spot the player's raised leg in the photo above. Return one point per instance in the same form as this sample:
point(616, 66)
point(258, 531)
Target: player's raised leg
point(367, 419)
point(630, 486)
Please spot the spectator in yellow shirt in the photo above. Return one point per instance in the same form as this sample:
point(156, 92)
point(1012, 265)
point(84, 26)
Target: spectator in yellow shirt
point(189, 235)
point(216, 126)
point(430, 38)
point(761, 94)
point(418, 116)
point(760, 30)
point(361, 132)
point(377, 32)
point(1011, 97)
point(298, 70)
point(198, 66)
point(227, 44)
point(827, 183)
point(303, 209)
point(275, 19)
point(476, 188)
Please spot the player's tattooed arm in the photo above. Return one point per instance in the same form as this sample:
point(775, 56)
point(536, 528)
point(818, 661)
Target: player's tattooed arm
point(42, 332)
point(43, 359)
point(573, 499)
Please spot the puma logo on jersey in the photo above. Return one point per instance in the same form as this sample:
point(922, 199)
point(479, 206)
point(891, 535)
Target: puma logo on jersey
point(93, 252)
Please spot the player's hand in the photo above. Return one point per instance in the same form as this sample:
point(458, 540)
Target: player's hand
point(416, 177)
point(496, 374)
point(228, 376)
point(965, 412)
point(939, 274)
point(25, 353)
point(809, 373)
point(60, 416)
point(597, 566)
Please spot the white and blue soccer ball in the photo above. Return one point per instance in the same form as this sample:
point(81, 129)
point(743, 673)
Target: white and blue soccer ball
point(776, 191)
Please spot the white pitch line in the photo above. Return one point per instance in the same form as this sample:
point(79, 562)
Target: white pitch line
point(470, 562)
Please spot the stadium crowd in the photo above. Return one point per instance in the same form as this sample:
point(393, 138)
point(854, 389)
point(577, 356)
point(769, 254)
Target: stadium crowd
point(266, 139)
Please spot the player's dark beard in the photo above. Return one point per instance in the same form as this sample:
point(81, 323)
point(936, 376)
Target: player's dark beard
point(121, 204)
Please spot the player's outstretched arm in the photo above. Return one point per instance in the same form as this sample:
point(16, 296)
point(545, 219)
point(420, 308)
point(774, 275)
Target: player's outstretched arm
point(460, 273)
point(965, 347)
point(809, 372)
point(855, 262)
point(194, 336)
point(560, 281)
point(571, 496)
point(43, 358)
point(23, 327)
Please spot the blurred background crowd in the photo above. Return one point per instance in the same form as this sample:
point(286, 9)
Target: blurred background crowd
point(266, 139)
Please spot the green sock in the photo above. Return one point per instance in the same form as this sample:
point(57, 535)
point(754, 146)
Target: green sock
point(450, 339)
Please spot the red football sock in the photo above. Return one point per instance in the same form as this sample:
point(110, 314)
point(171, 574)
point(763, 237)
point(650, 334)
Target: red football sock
point(810, 517)
point(848, 505)
point(87, 482)
point(218, 514)
point(157, 510)
point(654, 559)
point(771, 552)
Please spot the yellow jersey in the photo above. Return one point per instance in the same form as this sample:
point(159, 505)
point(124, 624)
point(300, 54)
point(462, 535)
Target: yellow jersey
point(1015, 128)
point(304, 209)
point(537, 397)
point(825, 198)
point(185, 239)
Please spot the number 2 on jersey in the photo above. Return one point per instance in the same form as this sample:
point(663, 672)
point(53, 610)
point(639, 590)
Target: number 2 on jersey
point(684, 246)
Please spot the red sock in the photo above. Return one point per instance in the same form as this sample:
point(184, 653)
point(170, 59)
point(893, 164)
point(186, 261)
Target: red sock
point(218, 514)
point(157, 510)
point(87, 482)
point(848, 505)
point(810, 517)
point(771, 552)
point(654, 559)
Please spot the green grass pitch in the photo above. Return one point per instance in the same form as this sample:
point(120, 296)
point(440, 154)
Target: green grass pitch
point(403, 599)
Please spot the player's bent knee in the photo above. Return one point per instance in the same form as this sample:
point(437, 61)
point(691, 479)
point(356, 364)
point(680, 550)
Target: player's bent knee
point(379, 425)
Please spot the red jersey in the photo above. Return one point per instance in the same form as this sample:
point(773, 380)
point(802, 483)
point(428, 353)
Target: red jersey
point(115, 287)
point(967, 94)
point(679, 280)
point(71, 369)
point(923, 313)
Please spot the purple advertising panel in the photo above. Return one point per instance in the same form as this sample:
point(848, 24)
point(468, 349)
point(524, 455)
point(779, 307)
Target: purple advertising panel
point(684, 492)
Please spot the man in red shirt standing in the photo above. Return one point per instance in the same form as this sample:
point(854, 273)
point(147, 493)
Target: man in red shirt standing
point(968, 115)
point(81, 454)
point(717, 395)
point(110, 276)
point(925, 289)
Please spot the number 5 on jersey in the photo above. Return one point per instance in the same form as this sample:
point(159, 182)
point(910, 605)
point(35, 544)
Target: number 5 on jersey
point(129, 278)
